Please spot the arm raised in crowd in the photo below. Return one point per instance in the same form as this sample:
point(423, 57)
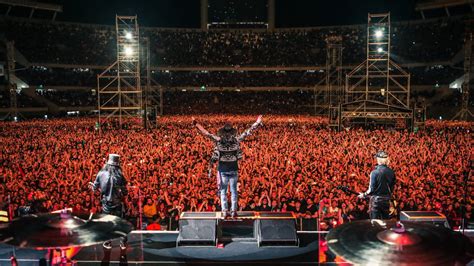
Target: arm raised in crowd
point(204, 131)
point(249, 131)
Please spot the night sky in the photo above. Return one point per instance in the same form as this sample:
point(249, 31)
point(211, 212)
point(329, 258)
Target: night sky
point(185, 13)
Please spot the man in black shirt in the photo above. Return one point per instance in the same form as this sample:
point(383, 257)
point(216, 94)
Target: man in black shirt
point(113, 189)
point(227, 153)
point(382, 180)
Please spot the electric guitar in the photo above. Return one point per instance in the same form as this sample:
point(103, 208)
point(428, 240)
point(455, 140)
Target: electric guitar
point(347, 190)
point(393, 202)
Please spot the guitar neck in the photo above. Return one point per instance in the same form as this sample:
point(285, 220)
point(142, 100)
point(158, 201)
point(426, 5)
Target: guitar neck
point(347, 190)
point(353, 192)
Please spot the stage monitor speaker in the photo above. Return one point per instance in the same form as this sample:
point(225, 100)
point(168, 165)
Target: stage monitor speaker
point(430, 217)
point(277, 232)
point(197, 232)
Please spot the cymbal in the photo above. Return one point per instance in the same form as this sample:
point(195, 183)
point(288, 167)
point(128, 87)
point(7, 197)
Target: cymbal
point(58, 230)
point(365, 242)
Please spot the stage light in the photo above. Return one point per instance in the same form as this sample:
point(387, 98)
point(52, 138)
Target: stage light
point(128, 35)
point(128, 51)
point(378, 34)
point(15, 119)
point(45, 116)
point(380, 50)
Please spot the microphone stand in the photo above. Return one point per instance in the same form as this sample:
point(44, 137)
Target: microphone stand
point(463, 221)
point(13, 260)
point(140, 208)
point(140, 212)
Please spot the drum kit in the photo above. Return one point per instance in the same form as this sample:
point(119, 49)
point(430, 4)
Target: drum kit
point(377, 242)
point(365, 242)
point(62, 231)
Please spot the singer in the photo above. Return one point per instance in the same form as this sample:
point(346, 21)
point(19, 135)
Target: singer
point(227, 153)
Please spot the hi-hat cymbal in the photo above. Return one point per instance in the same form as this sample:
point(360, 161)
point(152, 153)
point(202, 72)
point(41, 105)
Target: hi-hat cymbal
point(58, 230)
point(368, 243)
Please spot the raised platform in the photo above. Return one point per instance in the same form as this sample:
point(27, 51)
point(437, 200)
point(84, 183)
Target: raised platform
point(212, 228)
point(159, 248)
point(243, 215)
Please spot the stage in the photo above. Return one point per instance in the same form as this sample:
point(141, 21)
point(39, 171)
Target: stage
point(159, 247)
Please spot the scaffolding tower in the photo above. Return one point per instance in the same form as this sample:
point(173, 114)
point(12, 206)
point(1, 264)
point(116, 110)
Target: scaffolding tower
point(119, 86)
point(152, 91)
point(333, 90)
point(465, 113)
point(378, 90)
point(11, 86)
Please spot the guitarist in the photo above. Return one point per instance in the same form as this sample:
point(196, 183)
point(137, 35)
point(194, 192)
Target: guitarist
point(382, 180)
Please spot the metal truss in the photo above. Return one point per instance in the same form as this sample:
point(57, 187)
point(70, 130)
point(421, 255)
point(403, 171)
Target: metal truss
point(378, 88)
point(333, 92)
point(119, 86)
point(11, 86)
point(152, 92)
point(465, 113)
point(379, 115)
point(419, 118)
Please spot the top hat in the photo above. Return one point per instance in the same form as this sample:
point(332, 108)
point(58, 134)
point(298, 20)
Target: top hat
point(114, 159)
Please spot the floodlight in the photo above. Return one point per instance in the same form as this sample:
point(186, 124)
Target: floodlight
point(380, 50)
point(378, 34)
point(128, 35)
point(128, 51)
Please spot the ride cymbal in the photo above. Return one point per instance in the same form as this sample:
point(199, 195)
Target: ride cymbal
point(57, 230)
point(370, 243)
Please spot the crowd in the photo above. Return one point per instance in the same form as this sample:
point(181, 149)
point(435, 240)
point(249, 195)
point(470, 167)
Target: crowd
point(293, 163)
point(239, 102)
point(438, 75)
point(71, 98)
point(82, 44)
point(200, 100)
point(23, 100)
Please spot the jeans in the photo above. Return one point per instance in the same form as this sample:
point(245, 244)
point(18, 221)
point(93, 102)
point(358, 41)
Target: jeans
point(225, 179)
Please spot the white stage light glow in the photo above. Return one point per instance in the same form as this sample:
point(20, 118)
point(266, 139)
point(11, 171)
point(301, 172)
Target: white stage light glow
point(128, 51)
point(378, 34)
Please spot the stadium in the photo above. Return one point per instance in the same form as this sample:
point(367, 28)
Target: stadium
point(243, 132)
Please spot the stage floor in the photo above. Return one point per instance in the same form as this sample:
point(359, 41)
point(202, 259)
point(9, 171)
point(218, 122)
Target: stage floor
point(160, 249)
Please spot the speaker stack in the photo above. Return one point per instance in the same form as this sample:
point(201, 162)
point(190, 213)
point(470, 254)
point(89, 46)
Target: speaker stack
point(209, 228)
point(430, 217)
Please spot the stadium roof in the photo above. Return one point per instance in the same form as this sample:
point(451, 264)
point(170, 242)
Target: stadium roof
point(435, 4)
point(33, 4)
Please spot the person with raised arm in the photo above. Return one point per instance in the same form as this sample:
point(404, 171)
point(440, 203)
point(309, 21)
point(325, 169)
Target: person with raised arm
point(227, 153)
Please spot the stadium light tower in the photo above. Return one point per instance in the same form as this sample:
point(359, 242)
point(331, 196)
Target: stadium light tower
point(119, 86)
point(464, 113)
point(379, 33)
point(331, 95)
point(377, 89)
